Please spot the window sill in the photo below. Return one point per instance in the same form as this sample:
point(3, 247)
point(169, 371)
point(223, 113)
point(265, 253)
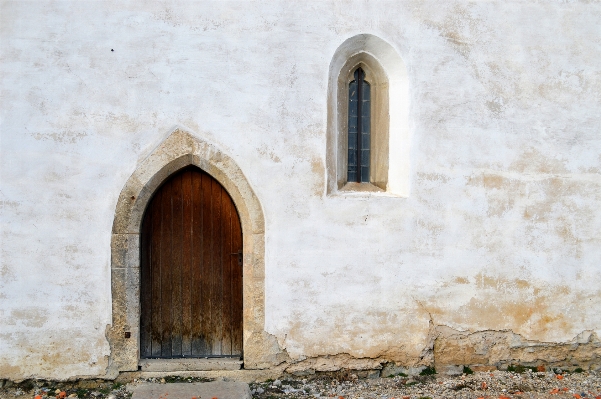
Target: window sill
point(363, 190)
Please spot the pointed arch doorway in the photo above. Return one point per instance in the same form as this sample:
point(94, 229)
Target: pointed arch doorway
point(190, 270)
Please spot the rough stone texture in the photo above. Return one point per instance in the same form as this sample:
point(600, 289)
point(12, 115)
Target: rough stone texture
point(498, 233)
point(502, 348)
point(215, 389)
point(169, 365)
point(227, 375)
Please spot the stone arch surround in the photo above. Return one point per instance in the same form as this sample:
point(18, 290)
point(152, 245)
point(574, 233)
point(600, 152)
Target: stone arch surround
point(178, 150)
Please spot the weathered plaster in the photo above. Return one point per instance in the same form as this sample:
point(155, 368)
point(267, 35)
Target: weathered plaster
point(499, 235)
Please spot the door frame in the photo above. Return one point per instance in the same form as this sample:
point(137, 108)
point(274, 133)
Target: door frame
point(178, 150)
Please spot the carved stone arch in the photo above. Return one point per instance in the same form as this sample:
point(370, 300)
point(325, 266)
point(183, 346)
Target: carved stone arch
point(177, 151)
point(386, 72)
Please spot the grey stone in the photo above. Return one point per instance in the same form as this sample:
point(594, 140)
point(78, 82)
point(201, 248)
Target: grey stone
point(373, 374)
point(415, 370)
point(190, 364)
point(218, 389)
point(391, 369)
point(452, 370)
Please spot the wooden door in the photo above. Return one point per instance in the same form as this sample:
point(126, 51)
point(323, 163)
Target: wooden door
point(191, 272)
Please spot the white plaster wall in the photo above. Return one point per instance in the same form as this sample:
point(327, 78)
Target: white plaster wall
point(501, 229)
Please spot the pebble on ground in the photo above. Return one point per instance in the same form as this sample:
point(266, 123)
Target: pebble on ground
point(487, 385)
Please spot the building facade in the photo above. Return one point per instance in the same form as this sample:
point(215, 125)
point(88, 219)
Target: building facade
point(472, 238)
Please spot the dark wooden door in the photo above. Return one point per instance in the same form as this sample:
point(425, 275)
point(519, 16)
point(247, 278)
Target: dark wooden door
point(191, 272)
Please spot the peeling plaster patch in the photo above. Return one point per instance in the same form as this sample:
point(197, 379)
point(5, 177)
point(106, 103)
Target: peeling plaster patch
point(29, 317)
point(70, 348)
point(448, 347)
point(501, 348)
point(9, 204)
point(533, 160)
point(460, 27)
point(495, 106)
point(65, 136)
point(370, 335)
point(536, 310)
point(335, 363)
point(268, 153)
point(7, 273)
point(318, 171)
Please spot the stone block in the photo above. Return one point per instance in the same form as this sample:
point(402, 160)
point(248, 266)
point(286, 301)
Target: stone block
point(215, 389)
point(169, 365)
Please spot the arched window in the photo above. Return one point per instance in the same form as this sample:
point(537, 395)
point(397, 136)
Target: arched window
point(368, 136)
point(359, 128)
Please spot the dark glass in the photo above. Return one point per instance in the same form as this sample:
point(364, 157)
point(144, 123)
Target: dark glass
point(359, 129)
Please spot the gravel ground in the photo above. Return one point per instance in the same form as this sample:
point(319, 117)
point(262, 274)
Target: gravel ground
point(496, 384)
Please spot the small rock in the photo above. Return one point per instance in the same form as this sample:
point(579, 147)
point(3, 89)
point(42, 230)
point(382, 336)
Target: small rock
point(57, 391)
point(162, 380)
point(111, 396)
point(73, 395)
point(277, 383)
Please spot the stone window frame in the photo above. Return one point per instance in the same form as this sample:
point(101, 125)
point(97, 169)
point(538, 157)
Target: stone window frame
point(178, 150)
point(390, 133)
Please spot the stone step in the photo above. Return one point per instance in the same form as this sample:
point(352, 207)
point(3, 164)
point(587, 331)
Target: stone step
point(198, 390)
point(221, 363)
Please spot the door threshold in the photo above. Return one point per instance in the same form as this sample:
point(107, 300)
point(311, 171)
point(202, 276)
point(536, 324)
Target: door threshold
point(191, 364)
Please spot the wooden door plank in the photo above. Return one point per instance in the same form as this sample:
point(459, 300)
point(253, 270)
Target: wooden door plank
point(187, 223)
point(196, 346)
point(156, 331)
point(228, 256)
point(206, 284)
point(145, 281)
point(176, 266)
point(217, 269)
point(166, 235)
point(236, 287)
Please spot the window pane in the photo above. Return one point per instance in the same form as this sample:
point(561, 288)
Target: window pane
point(365, 158)
point(366, 125)
point(352, 141)
point(352, 124)
point(366, 91)
point(365, 174)
point(365, 109)
point(353, 91)
point(352, 159)
point(365, 139)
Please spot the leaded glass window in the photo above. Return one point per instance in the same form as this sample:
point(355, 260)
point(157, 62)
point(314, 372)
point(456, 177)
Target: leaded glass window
point(359, 129)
